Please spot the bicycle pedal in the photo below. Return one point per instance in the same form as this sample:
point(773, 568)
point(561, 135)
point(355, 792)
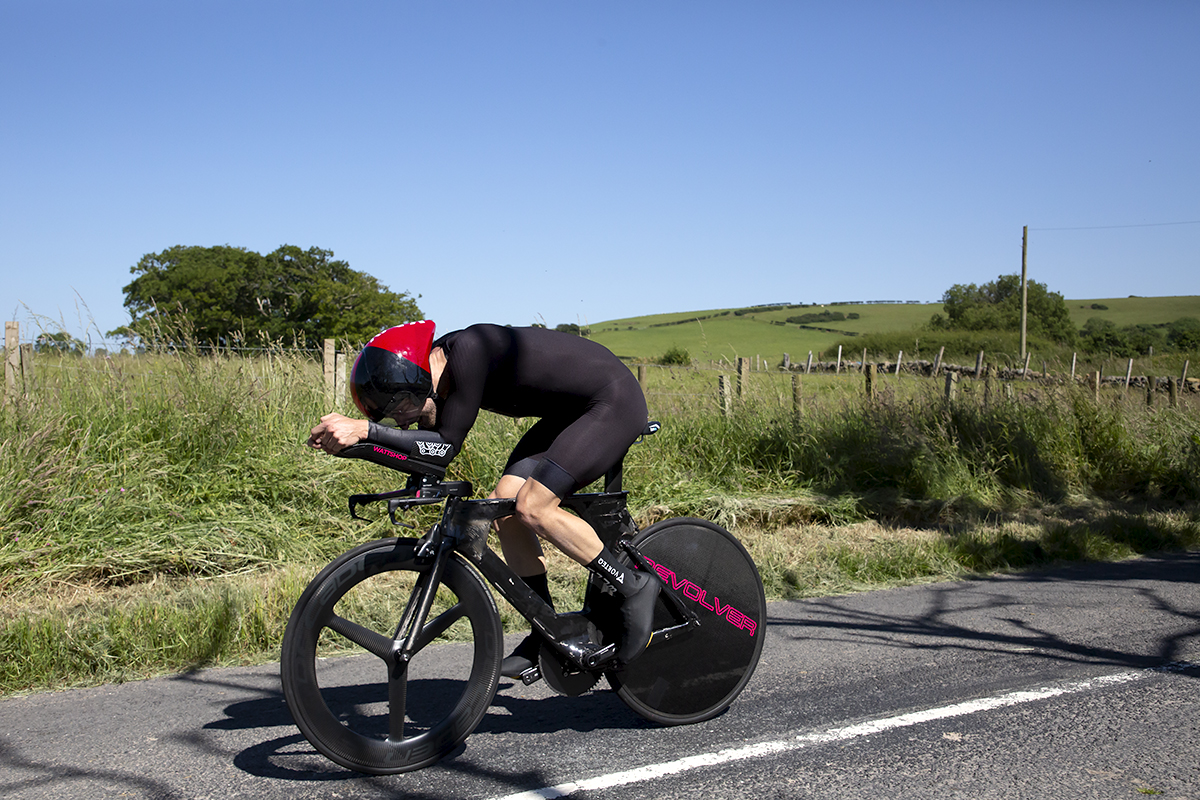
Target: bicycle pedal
point(531, 675)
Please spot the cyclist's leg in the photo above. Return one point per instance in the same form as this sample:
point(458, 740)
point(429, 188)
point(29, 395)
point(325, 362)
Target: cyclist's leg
point(583, 451)
point(521, 547)
point(523, 553)
point(538, 508)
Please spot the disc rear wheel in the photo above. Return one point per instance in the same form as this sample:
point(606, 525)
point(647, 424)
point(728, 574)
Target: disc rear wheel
point(699, 674)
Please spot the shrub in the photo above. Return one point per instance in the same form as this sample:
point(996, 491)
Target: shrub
point(675, 356)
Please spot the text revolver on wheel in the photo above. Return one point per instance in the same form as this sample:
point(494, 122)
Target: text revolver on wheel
point(673, 615)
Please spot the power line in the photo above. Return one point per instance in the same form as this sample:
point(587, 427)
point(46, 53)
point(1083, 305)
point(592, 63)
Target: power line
point(1110, 227)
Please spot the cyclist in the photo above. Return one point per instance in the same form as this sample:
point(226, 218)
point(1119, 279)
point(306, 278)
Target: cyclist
point(591, 410)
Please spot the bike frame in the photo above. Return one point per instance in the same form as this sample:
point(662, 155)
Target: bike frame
point(464, 530)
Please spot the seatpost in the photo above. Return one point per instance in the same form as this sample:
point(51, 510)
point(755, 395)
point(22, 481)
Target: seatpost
point(612, 478)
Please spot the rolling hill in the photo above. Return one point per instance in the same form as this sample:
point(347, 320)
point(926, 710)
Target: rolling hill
point(717, 334)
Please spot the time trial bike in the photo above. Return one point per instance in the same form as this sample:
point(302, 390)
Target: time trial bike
point(395, 597)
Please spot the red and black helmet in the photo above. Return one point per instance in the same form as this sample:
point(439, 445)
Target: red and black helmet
point(391, 374)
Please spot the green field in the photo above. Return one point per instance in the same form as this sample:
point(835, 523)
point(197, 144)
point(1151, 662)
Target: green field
point(719, 334)
point(728, 337)
point(1136, 310)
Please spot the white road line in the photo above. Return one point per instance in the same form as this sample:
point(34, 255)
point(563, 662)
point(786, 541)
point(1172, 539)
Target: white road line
point(652, 771)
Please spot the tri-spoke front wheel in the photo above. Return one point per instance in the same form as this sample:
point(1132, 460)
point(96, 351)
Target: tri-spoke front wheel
point(387, 714)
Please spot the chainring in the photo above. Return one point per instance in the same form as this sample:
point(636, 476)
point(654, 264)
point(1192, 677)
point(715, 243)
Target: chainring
point(562, 678)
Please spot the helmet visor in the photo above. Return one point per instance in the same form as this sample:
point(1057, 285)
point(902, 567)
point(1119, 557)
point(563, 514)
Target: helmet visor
point(386, 385)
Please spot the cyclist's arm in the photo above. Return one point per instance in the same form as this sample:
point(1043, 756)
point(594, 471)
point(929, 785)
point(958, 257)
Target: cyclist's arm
point(335, 432)
point(423, 444)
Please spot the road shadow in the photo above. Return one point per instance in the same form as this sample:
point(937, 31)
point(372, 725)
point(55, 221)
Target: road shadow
point(363, 710)
point(21, 774)
point(992, 613)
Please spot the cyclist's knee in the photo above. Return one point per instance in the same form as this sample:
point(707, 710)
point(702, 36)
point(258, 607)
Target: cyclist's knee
point(535, 505)
point(508, 486)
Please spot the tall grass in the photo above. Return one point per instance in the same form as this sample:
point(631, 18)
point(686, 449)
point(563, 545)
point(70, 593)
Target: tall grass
point(122, 469)
point(893, 456)
point(160, 512)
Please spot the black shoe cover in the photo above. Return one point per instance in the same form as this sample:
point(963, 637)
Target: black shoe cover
point(523, 657)
point(638, 614)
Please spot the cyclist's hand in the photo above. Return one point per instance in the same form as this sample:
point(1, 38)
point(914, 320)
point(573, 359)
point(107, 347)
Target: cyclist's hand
point(336, 432)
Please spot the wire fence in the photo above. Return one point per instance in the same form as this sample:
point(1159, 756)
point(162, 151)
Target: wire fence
point(719, 384)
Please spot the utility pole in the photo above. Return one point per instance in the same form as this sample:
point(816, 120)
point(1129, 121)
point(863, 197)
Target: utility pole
point(1024, 287)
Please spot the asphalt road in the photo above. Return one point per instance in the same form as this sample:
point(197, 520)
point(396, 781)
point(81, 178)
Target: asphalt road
point(1077, 682)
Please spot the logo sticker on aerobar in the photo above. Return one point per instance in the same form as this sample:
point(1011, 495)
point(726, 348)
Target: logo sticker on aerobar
point(384, 451)
point(693, 592)
point(435, 449)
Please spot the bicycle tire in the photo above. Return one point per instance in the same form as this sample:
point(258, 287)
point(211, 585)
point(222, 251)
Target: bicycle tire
point(698, 675)
point(339, 713)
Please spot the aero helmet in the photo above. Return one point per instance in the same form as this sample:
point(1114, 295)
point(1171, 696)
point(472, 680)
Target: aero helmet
point(391, 374)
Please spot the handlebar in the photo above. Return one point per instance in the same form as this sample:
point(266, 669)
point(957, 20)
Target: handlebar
point(421, 491)
point(425, 485)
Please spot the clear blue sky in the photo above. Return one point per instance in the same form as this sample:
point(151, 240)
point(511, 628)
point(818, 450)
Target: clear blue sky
point(574, 161)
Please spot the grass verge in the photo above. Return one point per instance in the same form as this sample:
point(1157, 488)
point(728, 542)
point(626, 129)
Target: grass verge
point(78, 636)
point(160, 513)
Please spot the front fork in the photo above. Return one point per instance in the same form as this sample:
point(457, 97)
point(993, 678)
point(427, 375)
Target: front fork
point(407, 638)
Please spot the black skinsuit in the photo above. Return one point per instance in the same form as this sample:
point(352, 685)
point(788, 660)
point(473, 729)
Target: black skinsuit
point(590, 405)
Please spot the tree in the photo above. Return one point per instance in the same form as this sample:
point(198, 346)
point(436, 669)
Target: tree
point(1142, 337)
point(997, 306)
point(1184, 334)
point(1103, 336)
point(289, 292)
point(60, 343)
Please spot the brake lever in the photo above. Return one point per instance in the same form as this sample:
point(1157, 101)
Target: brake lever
point(357, 500)
point(394, 505)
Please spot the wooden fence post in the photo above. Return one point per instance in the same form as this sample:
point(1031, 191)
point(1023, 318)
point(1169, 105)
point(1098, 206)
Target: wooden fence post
point(1025, 369)
point(1172, 393)
point(12, 359)
point(743, 367)
point(1150, 390)
point(1183, 377)
point(989, 376)
point(862, 365)
point(797, 399)
point(1095, 376)
point(339, 378)
point(951, 385)
point(870, 381)
point(808, 366)
point(1073, 357)
point(1128, 374)
point(724, 396)
point(979, 365)
point(838, 369)
point(899, 358)
point(937, 362)
point(642, 377)
point(787, 363)
point(329, 362)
